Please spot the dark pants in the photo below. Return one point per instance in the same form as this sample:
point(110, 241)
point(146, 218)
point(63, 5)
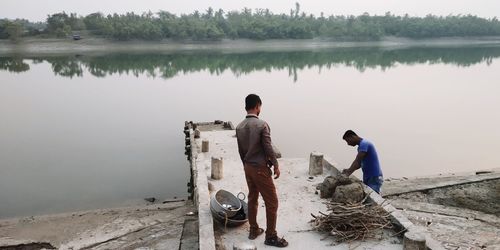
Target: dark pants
point(375, 182)
point(259, 180)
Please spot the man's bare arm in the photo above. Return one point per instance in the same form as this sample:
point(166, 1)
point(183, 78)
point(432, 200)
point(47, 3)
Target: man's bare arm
point(356, 164)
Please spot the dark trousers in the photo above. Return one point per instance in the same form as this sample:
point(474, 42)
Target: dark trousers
point(375, 182)
point(259, 180)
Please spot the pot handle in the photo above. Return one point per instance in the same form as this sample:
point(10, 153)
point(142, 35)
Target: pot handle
point(241, 193)
point(223, 214)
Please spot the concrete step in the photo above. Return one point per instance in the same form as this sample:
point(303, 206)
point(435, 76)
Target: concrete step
point(190, 236)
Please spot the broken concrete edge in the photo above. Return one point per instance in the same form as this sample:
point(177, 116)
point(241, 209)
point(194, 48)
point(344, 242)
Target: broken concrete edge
point(209, 126)
point(447, 211)
point(231, 126)
point(397, 217)
point(201, 199)
point(448, 183)
point(7, 243)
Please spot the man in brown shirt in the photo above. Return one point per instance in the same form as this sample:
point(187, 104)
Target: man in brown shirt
point(257, 154)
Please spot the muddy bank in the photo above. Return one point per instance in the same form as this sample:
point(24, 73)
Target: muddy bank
point(93, 45)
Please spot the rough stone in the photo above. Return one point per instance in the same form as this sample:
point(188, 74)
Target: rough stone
point(349, 193)
point(327, 188)
point(342, 189)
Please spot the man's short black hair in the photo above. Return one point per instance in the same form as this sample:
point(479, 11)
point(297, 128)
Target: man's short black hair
point(348, 133)
point(251, 101)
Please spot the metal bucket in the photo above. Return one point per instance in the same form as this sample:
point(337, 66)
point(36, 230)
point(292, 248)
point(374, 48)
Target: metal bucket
point(225, 203)
point(239, 219)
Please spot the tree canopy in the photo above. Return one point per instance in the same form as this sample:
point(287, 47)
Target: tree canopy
point(262, 24)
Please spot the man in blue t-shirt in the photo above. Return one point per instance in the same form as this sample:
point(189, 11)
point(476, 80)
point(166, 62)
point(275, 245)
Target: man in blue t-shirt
point(366, 159)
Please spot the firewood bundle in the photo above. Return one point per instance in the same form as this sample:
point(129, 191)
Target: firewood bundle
point(351, 221)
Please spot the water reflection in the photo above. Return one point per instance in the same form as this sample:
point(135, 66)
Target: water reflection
point(13, 64)
point(169, 65)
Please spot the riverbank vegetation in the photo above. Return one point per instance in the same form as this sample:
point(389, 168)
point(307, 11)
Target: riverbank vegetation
point(259, 24)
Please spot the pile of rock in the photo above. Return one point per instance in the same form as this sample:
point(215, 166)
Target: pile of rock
point(342, 189)
point(349, 217)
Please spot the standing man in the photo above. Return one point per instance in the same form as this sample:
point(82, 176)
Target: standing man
point(366, 159)
point(257, 154)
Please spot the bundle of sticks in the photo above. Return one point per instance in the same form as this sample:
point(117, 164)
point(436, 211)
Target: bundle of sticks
point(349, 222)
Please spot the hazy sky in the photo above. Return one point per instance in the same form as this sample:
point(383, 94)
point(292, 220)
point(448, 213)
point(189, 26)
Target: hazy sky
point(37, 10)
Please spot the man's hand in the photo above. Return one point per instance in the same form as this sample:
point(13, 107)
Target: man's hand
point(276, 172)
point(346, 171)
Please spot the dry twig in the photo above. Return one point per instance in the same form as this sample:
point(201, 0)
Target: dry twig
point(349, 222)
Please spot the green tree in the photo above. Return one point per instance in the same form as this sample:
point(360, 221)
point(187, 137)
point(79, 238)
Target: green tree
point(261, 24)
point(14, 30)
point(3, 31)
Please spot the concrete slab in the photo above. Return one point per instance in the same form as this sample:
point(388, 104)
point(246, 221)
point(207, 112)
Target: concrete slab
point(399, 186)
point(454, 232)
point(296, 193)
point(155, 226)
point(446, 211)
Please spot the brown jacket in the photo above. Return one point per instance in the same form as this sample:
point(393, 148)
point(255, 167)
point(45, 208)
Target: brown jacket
point(254, 142)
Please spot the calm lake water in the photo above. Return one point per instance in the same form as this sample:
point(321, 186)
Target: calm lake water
point(80, 132)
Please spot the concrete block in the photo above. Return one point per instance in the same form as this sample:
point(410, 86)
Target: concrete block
point(217, 168)
point(414, 239)
point(316, 163)
point(204, 146)
point(244, 246)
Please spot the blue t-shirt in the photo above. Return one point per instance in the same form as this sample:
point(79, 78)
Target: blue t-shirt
point(370, 164)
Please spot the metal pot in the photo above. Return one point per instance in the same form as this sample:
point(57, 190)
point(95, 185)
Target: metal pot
point(236, 220)
point(225, 204)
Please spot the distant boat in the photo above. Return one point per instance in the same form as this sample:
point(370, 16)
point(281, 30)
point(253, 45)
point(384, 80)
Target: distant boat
point(76, 37)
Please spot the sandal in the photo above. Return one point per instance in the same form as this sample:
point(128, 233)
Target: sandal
point(276, 242)
point(255, 233)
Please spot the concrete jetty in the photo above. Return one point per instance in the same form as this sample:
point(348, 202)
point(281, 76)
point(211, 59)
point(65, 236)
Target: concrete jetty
point(298, 199)
point(296, 192)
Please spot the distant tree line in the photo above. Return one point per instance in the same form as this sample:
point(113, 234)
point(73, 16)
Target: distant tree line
point(254, 24)
point(15, 29)
point(169, 65)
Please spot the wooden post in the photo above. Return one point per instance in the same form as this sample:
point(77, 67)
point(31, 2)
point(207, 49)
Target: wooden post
point(414, 240)
point(217, 168)
point(316, 163)
point(204, 146)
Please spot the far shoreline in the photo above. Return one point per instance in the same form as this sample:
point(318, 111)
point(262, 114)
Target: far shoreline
point(93, 45)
